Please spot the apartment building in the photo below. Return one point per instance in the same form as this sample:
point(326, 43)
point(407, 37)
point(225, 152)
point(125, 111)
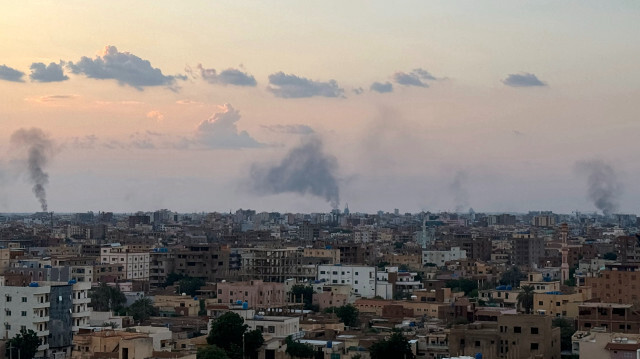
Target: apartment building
point(361, 278)
point(616, 284)
point(135, 264)
point(440, 258)
point(275, 265)
point(256, 293)
point(516, 336)
point(622, 318)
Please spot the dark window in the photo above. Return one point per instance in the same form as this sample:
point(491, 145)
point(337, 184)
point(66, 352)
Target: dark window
point(534, 346)
point(517, 330)
point(477, 343)
point(534, 330)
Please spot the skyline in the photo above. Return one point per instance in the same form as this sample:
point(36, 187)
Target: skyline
point(429, 106)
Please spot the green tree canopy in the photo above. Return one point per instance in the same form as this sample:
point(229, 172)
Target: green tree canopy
point(105, 298)
point(299, 350)
point(348, 314)
point(304, 294)
point(24, 345)
point(211, 352)
point(172, 278)
point(142, 309)
point(189, 285)
point(525, 298)
point(397, 346)
point(227, 332)
point(567, 330)
point(462, 284)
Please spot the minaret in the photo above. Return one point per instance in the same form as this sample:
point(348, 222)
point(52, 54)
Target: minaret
point(564, 269)
point(423, 234)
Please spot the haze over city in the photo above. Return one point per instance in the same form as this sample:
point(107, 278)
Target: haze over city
point(298, 106)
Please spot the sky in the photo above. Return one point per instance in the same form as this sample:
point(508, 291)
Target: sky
point(305, 106)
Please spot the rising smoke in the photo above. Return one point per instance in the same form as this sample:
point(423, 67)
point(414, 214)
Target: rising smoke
point(603, 187)
point(458, 188)
point(304, 169)
point(39, 148)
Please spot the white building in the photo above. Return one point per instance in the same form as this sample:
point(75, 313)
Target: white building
point(136, 264)
point(26, 308)
point(439, 258)
point(361, 278)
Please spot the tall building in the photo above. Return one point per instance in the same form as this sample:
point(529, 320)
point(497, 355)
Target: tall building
point(527, 249)
point(361, 278)
point(136, 264)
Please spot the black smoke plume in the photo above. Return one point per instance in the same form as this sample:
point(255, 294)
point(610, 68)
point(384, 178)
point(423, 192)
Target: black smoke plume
point(603, 187)
point(39, 148)
point(304, 169)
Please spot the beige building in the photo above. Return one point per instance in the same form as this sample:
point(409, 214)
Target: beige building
point(331, 254)
point(135, 264)
point(602, 345)
point(560, 304)
point(512, 337)
point(256, 293)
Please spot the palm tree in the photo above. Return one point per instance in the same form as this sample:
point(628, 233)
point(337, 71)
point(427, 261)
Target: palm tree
point(525, 298)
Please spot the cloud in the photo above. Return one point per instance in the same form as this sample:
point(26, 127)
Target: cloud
point(523, 80)
point(381, 87)
point(47, 73)
point(9, 74)
point(417, 77)
point(220, 131)
point(358, 90)
point(227, 77)
point(155, 115)
point(84, 142)
point(292, 86)
point(290, 129)
point(51, 98)
point(188, 102)
point(124, 67)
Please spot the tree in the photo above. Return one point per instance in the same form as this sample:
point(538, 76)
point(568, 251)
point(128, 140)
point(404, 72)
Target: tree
point(610, 256)
point(211, 352)
point(304, 294)
point(142, 309)
point(397, 346)
point(299, 350)
point(566, 331)
point(253, 340)
point(463, 284)
point(227, 332)
point(348, 314)
point(105, 298)
point(189, 285)
point(172, 278)
point(512, 277)
point(525, 298)
point(24, 345)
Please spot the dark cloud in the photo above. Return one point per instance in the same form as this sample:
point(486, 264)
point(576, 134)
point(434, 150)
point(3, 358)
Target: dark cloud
point(9, 74)
point(305, 169)
point(381, 87)
point(523, 80)
point(124, 67)
point(292, 86)
point(47, 73)
point(417, 77)
point(227, 77)
point(291, 129)
point(220, 131)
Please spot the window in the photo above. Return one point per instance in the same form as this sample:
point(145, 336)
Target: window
point(534, 346)
point(8, 298)
point(517, 329)
point(540, 303)
point(477, 343)
point(534, 330)
point(23, 313)
point(24, 299)
point(271, 329)
point(8, 313)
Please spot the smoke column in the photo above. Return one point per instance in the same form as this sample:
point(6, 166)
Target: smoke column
point(459, 189)
point(39, 148)
point(304, 169)
point(603, 187)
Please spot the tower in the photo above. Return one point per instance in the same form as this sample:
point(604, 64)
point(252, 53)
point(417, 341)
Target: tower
point(564, 268)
